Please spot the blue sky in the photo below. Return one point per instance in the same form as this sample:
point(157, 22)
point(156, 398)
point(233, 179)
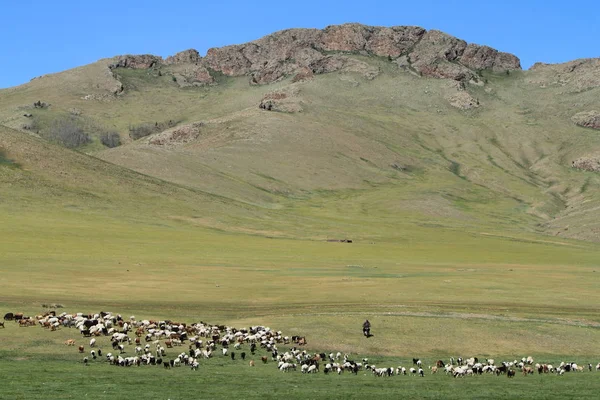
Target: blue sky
point(40, 37)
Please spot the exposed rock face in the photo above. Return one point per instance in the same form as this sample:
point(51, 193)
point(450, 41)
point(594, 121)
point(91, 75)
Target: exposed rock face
point(143, 61)
point(192, 75)
point(574, 76)
point(436, 55)
point(483, 57)
point(291, 51)
point(285, 100)
point(190, 56)
point(587, 164)
point(587, 119)
point(394, 41)
point(347, 37)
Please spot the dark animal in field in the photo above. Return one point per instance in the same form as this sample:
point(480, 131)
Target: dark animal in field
point(167, 365)
point(439, 364)
point(264, 359)
point(9, 316)
point(99, 352)
point(243, 355)
point(510, 373)
point(81, 349)
point(232, 356)
point(2, 324)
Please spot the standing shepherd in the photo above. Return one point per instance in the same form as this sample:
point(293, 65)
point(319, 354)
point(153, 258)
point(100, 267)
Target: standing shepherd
point(367, 328)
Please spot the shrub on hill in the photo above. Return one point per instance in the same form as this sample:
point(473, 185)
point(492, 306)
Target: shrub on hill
point(110, 139)
point(142, 130)
point(67, 132)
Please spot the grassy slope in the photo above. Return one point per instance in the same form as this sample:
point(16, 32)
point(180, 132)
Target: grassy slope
point(446, 250)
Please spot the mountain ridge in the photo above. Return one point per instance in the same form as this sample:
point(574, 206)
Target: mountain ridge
point(270, 58)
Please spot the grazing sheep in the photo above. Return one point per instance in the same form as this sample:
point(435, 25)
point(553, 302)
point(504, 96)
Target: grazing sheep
point(421, 372)
point(70, 342)
point(92, 342)
point(264, 359)
point(93, 353)
point(510, 373)
point(85, 361)
point(232, 356)
point(243, 355)
point(81, 349)
point(251, 363)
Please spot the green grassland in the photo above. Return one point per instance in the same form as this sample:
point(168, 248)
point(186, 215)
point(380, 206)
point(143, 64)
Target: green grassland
point(467, 231)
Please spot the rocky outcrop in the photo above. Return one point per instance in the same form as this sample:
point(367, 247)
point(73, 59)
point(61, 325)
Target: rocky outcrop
point(284, 100)
point(456, 94)
point(293, 51)
point(478, 57)
point(573, 76)
point(143, 61)
point(190, 56)
point(587, 119)
point(192, 75)
point(177, 136)
point(394, 41)
point(591, 164)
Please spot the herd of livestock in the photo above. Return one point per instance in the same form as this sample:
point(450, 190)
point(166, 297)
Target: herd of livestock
point(171, 344)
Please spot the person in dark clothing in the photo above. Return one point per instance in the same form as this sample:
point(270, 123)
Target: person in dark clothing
point(367, 328)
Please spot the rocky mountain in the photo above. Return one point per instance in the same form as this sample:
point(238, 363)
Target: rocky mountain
point(304, 132)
